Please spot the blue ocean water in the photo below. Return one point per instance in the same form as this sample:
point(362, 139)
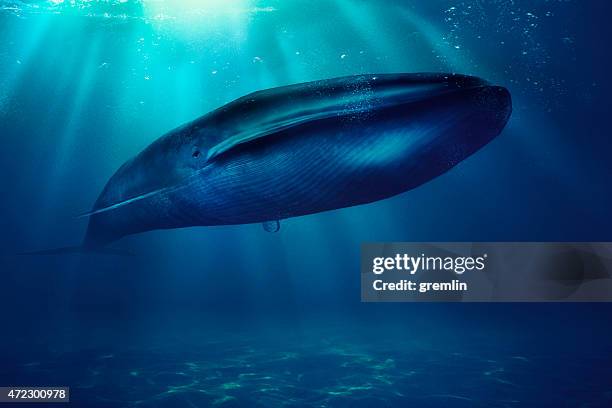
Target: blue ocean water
point(235, 316)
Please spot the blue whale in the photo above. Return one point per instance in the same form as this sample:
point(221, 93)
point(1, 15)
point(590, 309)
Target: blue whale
point(301, 149)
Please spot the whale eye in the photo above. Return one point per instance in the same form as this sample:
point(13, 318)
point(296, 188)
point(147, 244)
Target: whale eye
point(195, 154)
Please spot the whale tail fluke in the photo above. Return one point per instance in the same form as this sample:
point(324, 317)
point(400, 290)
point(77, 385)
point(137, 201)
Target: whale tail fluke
point(80, 249)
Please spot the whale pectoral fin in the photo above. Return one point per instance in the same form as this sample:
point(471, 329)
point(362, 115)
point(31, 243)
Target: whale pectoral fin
point(243, 138)
point(271, 226)
point(79, 249)
point(121, 203)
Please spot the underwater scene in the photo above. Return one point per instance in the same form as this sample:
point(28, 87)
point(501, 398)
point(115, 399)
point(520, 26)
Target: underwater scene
point(245, 315)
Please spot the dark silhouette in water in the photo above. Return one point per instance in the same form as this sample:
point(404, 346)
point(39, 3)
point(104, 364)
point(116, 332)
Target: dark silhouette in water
point(300, 149)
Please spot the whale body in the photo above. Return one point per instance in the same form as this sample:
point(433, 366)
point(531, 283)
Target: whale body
point(301, 149)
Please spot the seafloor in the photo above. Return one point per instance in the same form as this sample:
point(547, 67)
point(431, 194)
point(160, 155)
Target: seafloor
point(324, 368)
